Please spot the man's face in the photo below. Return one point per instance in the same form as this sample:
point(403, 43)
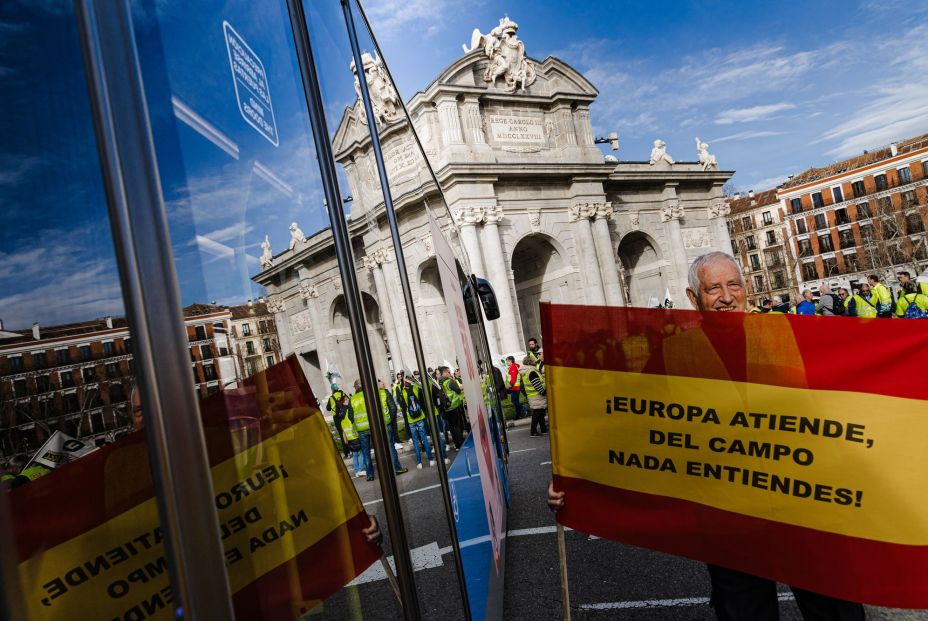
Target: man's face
point(807, 295)
point(842, 294)
point(532, 344)
point(380, 384)
point(136, 403)
point(903, 278)
point(720, 288)
point(871, 281)
point(865, 289)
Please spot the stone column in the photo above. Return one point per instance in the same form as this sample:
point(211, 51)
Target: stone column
point(472, 121)
point(467, 219)
point(386, 310)
point(450, 122)
point(397, 305)
point(718, 220)
point(607, 256)
point(671, 214)
point(498, 274)
point(580, 215)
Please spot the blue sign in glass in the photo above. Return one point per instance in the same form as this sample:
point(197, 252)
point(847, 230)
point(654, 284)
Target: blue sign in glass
point(251, 87)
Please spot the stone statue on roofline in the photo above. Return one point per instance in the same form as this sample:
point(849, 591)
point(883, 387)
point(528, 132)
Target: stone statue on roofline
point(296, 236)
point(659, 153)
point(384, 100)
point(506, 53)
point(267, 259)
point(705, 158)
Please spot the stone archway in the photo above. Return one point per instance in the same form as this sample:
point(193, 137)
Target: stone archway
point(344, 355)
point(645, 279)
point(541, 273)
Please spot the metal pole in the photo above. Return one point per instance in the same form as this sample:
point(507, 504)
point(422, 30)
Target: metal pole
point(342, 241)
point(407, 296)
point(173, 432)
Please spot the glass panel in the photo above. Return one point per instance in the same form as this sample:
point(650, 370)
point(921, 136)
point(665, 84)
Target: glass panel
point(244, 205)
point(81, 493)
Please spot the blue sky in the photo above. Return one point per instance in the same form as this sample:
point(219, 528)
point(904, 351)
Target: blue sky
point(773, 88)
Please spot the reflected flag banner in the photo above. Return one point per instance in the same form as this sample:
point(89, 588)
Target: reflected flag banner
point(789, 447)
point(88, 536)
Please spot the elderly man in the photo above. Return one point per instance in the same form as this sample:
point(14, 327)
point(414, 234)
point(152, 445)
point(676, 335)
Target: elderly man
point(716, 283)
point(807, 305)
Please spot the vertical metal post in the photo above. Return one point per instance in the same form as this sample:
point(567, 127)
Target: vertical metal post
point(342, 241)
point(176, 447)
point(407, 296)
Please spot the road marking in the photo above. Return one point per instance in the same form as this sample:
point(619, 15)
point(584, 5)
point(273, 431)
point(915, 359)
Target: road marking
point(409, 493)
point(545, 463)
point(663, 603)
point(425, 557)
point(522, 450)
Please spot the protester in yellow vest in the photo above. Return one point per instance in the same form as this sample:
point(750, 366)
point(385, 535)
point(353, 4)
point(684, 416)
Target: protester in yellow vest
point(912, 304)
point(880, 296)
point(856, 305)
point(921, 283)
point(454, 408)
point(533, 383)
point(358, 414)
point(352, 441)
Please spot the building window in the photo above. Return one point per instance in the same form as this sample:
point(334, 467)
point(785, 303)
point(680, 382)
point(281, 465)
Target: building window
point(270, 361)
point(817, 200)
point(267, 345)
point(771, 238)
point(67, 379)
point(858, 187)
point(201, 333)
point(70, 403)
point(851, 264)
point(89, 375)
point(213, 389)
point(774, 259)
point(837, 194)
point(249, 367)
point(779, 280)
point(262, 327)
point(84, 351)
point(16, 363)
point(209, 372)
point(768, 218)
point(109, 348)
point(205, 352)
point(759, 283)
point(808, 271)
point(127, 345)
point(846, 238)
point(42, 383)
point(751, 244)
point(734, 247)
point(880, 182)
point(250, 348)
point(831, 266)
point(866, 233)
point(112, 370)
point(747, 223)
point(62, 356)
point(905, 175)
point(117, 393)
point(925, 169)
point(863, 211)
point(805, 248)
point(219, 328)
point(19, 387)
point(909, 199)
point(39, 360)
point(755, 262)
point(801, 226)
point(223, 351)
point(196, 376)
point(795, 205)
point(914, 224)
point(841, 216)
point(246, 329)
point(825, 244)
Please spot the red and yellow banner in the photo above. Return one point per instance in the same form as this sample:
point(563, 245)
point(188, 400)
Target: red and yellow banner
point(794, 448)
point(90, 545)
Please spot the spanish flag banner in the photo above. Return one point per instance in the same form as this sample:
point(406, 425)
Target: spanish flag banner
point(793, 448)
point(88, 536)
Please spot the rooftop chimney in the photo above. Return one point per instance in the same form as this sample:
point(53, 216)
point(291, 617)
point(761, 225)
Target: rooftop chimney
point(894, 149)
point(35, 331)
point(737, 195)
point(750, 193)
point(109, 322)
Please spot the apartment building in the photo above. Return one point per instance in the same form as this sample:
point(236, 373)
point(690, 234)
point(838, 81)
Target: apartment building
point(760, 239)
point(254, 336)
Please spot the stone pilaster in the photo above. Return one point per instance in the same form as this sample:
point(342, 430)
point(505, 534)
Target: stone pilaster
point(607, 256)
point(450, 122)
point(467, 219)
point(718, 219)
point(579, 215)
point(499, 271)
point(671, 214)
point(373, 262)
point(473, 124)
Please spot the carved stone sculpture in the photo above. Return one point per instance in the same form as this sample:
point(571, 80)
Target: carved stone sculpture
point(634, 219)
point(506, 54)
point(384, 100)
point(659, 153)
point(468, 215)
point(705, 158)
point(427, 243)
point(604, 211)
point(718, 208)
point(274, 304)
point(671, 210)
point(267, 259)
point(296, 236)
point(534, 218)
point(308, 290)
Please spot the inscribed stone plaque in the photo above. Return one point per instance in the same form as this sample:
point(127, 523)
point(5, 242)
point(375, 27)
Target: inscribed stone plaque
point(517, 129)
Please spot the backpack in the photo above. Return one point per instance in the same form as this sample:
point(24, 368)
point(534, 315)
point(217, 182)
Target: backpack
point(913, 310)
point(837, 305)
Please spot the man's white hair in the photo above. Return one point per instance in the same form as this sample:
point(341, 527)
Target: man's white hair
point(706, 259)
point(777, 299)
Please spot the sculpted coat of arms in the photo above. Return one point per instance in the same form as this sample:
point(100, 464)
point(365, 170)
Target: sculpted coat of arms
point(506, 53)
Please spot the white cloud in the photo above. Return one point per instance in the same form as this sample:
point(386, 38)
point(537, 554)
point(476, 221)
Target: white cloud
point(751, 135)
point(393, 17)
point(753, 113)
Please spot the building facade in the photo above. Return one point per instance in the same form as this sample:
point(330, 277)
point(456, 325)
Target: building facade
point(863, 215)
point(77, 378)
point(532, 205)
point(760, 241)
point(254, 338)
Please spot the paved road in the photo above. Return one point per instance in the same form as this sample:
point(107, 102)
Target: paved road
point(607, 580)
